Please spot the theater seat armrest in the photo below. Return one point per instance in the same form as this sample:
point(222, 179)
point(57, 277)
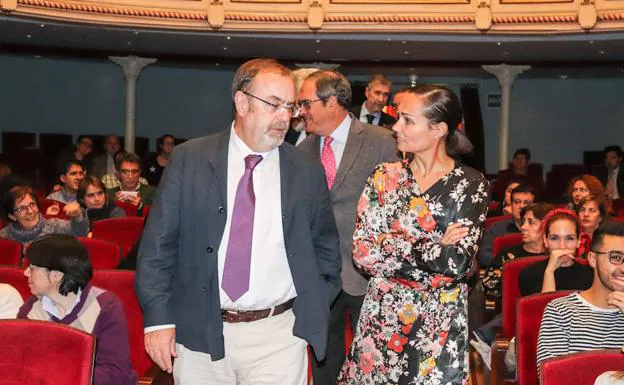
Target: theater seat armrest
point(156, 376)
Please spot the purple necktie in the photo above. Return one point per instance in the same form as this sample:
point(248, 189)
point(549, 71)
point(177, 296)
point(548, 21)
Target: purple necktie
point(235, 281)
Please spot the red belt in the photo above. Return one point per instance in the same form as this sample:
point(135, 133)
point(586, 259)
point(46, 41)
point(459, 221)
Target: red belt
point(233, 316)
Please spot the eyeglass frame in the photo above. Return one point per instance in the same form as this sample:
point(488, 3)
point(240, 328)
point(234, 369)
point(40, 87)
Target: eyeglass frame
point(31, 206)
point(609, 254)
point(305, 103)
point(278, 108)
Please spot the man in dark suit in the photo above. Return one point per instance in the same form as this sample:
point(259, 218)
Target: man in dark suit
point(614, 180)
point(377, 94)
point(349, 150)
point(105, 163)
point(237, 290)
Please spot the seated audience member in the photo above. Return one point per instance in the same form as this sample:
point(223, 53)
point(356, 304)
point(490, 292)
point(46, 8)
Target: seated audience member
point(92, 197)
point(505, 205)
point(105, 163)
point(591, 212)
point(111, 180)
point(58, 276)
point(594, 318)
point(610, 378)
point(155, 167)
point(583, 186)
point(10, 301)
point(26, 223)
point(521, 197)
point(72, 175)
point(81, 152)
point(614, 180)
point(559, 271)
point(532, 245)
point(520, 171)
point(130, 189)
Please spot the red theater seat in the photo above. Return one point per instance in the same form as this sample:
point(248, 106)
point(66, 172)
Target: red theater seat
point(14, 276)
point(581, 368)
point(10, 252)
point(505, 241)
point(125, 232)
point(490, 221)
point(37, 352)
point(103, 254)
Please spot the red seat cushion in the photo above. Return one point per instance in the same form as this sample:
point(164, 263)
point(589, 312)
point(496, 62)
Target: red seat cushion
point(14, 276)
point(581, 368)
point(530, 310)
point(103, 254)
point(38, 352)
point(125, 232)
point(505, 241)
point(10, 252)
point(121, 283)
point(511, 290)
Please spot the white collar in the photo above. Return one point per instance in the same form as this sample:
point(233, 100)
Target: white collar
point(48, 305)
point(341, 133)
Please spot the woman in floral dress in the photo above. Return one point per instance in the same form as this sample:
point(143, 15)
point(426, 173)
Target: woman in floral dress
point(418, 225)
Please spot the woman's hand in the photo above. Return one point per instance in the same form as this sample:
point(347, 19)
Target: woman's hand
point(53, 210)
point(558, 258)
point(454, 233)
point(72, 209)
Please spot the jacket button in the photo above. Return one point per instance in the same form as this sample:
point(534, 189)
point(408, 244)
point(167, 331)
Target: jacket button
point(204, 289)
point(209, 249)
point(221, 210)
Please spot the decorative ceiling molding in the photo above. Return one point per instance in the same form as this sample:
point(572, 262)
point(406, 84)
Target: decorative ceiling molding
point(452, 16)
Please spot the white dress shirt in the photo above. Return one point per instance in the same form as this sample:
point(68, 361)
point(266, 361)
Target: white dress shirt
point(612, 191)
point(364, 112)
point(340, 135)
point(270, 280)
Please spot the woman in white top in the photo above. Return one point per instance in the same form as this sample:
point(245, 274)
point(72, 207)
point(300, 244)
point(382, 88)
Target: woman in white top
point(10, 301)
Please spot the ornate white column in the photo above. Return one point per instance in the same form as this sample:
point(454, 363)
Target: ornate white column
point(132, 66)
point(506, 74)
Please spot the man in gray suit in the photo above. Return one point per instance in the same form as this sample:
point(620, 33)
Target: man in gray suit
point(236, 290)
point(349, 150)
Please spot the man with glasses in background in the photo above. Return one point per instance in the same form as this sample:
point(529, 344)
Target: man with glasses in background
point(594, 318)
point(239, 260)
point(130, 188)
point(349, 151)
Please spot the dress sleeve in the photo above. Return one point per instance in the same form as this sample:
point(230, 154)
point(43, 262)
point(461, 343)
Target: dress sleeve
point(384, 252)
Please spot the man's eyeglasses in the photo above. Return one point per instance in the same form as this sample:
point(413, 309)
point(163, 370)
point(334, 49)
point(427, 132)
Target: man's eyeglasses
point(274, 107)
point(615, 257)
point(305, 103)
point(127, 172)
point(23, 209)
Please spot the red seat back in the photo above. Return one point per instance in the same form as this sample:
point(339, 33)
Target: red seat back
point(511, 290)
point(121, 283)
point(130, 209)
point(33, 352)
point(45, 203)
point(10, 252)
point(124, 232)
point(491, 220)
point(103, 254)
point(14, 276)
point(505, 241)
point(580, 368)
point(530, 310)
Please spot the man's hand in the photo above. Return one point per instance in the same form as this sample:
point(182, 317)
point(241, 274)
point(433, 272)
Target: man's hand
point(136, 201)
point(160, 345)
point(454, 233)
point(616, 299)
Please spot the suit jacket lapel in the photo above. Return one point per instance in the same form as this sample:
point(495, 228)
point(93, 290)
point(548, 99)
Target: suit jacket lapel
point(287, 182)
point(218, 160)
point(351, 151)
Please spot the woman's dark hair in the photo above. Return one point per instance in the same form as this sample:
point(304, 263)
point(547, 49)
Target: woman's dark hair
point(539, 210)
point(15, 194)
point(443, 106)
point(84, 185)
point(66, 254)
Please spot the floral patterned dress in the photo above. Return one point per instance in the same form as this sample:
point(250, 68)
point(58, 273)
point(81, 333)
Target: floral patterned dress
point(413, 324)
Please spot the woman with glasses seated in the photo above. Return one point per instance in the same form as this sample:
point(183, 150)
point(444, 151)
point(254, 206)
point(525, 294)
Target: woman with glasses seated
point(26, 223)
point(92, 196)
point(58, 275)
point(559, 271)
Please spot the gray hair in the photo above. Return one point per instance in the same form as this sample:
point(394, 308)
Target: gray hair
point(302, 74)
point(247, 72)
point(332, 83)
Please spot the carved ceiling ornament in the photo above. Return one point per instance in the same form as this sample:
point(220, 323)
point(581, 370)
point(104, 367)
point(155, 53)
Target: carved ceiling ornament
point(483, 16)
point(315, 15)
point(587, 15)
